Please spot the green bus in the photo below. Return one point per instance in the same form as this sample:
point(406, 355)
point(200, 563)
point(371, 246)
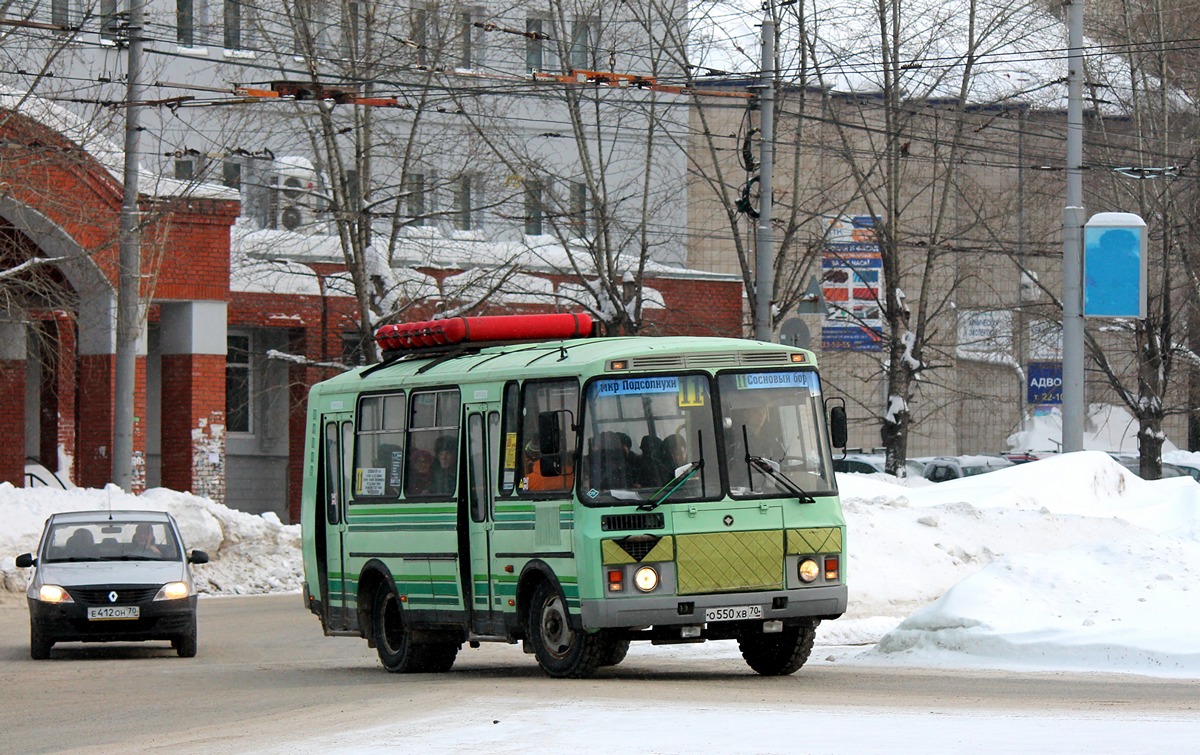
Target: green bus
point(511, 479)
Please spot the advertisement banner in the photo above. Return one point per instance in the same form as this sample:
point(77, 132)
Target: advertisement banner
point(1114, 265)
point(1044, 383)
point(852, 282)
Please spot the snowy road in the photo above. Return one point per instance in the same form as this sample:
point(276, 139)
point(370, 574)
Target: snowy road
point(266, 680)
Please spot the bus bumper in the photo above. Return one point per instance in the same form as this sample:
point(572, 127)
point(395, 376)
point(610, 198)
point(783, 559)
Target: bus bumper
point(648, 610)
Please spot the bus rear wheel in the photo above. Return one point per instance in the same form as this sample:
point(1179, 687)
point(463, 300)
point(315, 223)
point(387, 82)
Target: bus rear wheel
point(397, 652)
point(561, 651)
point(781, 653)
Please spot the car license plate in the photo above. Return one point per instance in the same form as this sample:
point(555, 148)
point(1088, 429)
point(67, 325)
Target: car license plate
point(104, 613)
point(733, 613)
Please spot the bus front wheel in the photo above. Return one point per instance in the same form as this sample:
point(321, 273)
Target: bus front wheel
point(393, 642)
point(561, 651)
point(781, 653)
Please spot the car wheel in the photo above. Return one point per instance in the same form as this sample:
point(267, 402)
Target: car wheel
point(186, 643)
point(39, 646)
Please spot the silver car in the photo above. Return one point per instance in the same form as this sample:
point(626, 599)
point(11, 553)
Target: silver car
point(111, 576)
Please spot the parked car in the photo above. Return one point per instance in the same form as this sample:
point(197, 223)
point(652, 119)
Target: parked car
point(942, 468)
point(111, 576)
point(872, 463)
point(1134, 464)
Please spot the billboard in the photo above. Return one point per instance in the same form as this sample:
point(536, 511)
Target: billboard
point(851, 283)
point(1114, 265)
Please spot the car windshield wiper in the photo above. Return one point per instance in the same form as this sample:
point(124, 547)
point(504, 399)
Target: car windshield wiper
point(771, 469)
point(682, 475)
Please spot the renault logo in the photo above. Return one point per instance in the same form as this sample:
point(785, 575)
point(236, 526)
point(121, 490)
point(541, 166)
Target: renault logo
point(728, 520)
point(112, 597)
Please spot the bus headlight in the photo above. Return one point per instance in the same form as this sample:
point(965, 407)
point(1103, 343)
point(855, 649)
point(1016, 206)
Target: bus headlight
point(808, 570)
point(646, 578)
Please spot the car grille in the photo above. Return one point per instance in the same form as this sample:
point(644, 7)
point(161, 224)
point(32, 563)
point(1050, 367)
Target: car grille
point(126, 594)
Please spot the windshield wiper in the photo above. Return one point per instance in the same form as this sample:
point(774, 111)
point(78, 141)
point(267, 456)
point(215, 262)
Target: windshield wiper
point(771, 469)
point(682, 475)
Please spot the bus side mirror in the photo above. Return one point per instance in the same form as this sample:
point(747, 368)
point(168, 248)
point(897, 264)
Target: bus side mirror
point(838, 434)
point(549, 444)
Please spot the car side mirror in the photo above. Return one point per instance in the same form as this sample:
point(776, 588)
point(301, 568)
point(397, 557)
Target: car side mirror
point(198, 557)
point(26, 560)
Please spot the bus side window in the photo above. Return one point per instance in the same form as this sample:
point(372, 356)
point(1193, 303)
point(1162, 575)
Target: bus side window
point(508, 446)
point(433, 439)
point(549, 410)
point(380, 446)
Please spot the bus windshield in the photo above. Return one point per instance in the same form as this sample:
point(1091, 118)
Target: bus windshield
point(772, 428)
point(650, 439)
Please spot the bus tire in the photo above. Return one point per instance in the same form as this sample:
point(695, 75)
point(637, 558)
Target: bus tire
point(561, 651)
point(393, 642)
point(436, 658)
point(615, 652)
point(778, 654)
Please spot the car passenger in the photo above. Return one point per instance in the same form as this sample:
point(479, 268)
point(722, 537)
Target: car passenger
point(143, 541)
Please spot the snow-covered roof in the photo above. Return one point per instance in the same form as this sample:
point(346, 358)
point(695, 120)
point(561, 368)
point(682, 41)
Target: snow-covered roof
point(107, 153)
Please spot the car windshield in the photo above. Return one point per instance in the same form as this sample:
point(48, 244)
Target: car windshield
point(639, 433)
point(772, 428)
point(110, 541)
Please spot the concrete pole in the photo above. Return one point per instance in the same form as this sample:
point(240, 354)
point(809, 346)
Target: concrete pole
point(1073, 218)
point(129, 301)
point(764, 251)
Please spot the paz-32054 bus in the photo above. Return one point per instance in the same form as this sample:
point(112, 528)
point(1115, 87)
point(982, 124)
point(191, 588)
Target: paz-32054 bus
point(508, 479)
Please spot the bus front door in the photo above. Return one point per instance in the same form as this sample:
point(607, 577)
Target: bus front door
point(337, 436)
point(483, 439)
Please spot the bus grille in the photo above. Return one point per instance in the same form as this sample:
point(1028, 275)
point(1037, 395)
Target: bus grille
point(614, 522)
point(729, 561)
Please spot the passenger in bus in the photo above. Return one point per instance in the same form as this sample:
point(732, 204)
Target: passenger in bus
point(420, 472)
point(444, 464)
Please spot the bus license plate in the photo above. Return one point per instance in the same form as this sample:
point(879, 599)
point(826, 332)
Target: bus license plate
point(104, 613)
point(733, 613)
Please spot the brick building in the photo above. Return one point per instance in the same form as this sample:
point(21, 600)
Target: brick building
point(233, 341)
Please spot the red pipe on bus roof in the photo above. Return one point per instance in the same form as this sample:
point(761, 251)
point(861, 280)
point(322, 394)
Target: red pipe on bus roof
point(489, 329)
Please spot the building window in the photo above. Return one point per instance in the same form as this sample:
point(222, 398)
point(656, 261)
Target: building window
point(414, 198)
point(109, 22)
point(534, 213)
point(583, 41)
point(233, 24)
point(238, 384)
point(463, 219)
point(535, 44)
point(231, 174)
point(467, 58)
point(185, 169)
point(60, 12)
point(578, 207)
point(185, 23)
point(419, 35)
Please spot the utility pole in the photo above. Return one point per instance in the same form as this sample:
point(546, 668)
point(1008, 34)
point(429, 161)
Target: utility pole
point(129, 299)
point(764, 284)
point(1073, 215)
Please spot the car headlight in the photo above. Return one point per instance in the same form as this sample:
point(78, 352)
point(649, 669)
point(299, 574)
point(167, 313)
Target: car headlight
point(808, 570)
point(173, 591)
point(54, 594)
point(645, 578)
